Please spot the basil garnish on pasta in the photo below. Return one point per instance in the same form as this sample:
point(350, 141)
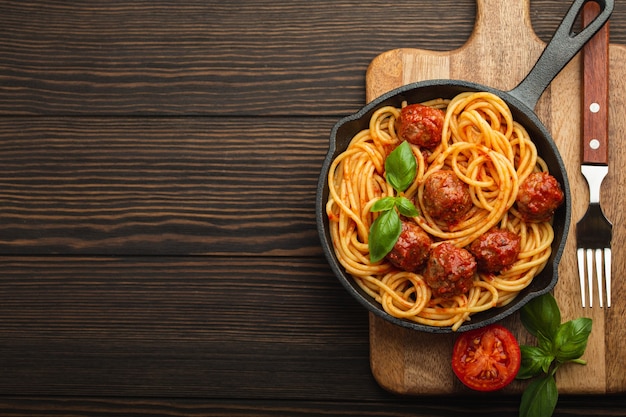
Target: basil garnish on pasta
point(401, 168)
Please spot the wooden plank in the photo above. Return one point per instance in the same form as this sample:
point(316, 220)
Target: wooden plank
point(401, 407)
point(160, 185)
point(212, 327)
point(204, 57)
point(504, 35)
point(212, 57)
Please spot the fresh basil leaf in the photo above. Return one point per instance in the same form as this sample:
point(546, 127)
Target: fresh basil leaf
point(406, 207)
point(384, 204)
point(545, 344)
point(571, 338)
point(539, 398)
point(384, 234)
point(534, 361)
point(401, 167)
point(541, 316)
point(557, 343)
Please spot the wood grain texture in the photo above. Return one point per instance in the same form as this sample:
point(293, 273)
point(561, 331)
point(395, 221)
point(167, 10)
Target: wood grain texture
point(412, 368)
point(231, 327)
point(197, 57)
point(161, 186)
point(158, 165)
point(401, 407)
point(595, 56)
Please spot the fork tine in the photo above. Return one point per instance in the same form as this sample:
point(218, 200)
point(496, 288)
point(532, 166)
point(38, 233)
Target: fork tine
point(599, 263)
point(602, 260)
point(607, 271)
point(589, 253)
point(580, 252)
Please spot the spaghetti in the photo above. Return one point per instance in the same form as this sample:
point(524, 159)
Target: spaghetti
point(488, 151)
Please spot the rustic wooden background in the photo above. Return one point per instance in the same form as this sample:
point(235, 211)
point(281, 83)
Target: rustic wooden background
point(158, 246)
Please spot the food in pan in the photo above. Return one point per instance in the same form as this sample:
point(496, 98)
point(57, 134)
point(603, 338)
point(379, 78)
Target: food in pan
point(442, 209)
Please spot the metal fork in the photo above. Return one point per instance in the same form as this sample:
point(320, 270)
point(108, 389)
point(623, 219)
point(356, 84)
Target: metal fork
point(594, 231)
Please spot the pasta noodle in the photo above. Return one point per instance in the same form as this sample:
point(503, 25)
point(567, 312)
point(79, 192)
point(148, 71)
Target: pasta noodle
point(487, 150)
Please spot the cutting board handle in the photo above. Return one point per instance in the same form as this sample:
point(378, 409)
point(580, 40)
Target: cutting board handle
point(563, 46)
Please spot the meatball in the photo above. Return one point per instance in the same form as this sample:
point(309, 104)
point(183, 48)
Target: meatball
point(420, 125)
point(412, 249)
point(539, 196)
point(449, 270)
point(446, 197)
point(496, 250)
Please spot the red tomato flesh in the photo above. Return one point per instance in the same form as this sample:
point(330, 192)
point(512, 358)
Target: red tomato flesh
point(486, 359)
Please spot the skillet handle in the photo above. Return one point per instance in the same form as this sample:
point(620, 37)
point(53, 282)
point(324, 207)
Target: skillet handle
point(563, 46)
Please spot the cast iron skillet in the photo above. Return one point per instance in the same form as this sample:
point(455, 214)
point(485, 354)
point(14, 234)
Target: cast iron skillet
point(522, 99)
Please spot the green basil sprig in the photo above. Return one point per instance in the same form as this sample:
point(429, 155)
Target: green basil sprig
point(401, 169)
point(557, 343)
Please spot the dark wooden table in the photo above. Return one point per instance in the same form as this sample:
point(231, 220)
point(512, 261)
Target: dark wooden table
point(158, 168)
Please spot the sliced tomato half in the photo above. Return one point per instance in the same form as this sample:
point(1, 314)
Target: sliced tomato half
point(486, 359)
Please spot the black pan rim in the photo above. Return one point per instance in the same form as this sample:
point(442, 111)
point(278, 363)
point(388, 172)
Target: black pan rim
point(395, 96)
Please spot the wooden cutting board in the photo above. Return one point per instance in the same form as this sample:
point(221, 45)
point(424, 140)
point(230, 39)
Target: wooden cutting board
point(501, 51)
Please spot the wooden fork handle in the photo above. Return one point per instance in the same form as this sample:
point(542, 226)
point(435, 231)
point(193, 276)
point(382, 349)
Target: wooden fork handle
point(595, 92)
